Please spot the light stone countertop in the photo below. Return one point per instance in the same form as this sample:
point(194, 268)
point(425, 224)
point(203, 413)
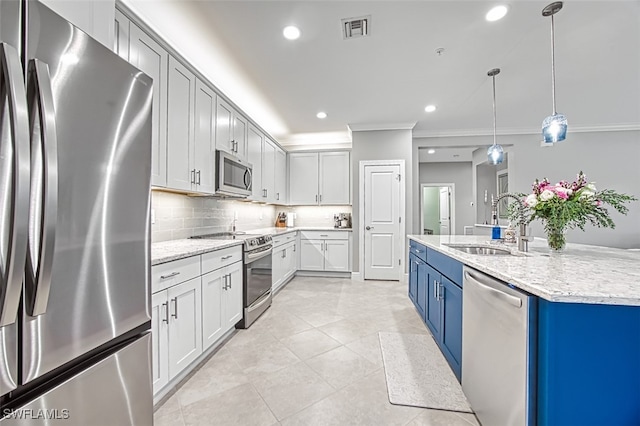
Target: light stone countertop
point(167, 251)
point(579, 274)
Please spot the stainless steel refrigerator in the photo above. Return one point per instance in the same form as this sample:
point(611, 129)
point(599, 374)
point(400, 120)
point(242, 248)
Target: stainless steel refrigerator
point(75, 166)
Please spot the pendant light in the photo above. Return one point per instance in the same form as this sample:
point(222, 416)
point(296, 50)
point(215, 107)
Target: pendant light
point(554, 127)
point(495, 153)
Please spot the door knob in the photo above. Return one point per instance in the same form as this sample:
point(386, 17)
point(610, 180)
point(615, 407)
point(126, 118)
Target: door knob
point(368, 228)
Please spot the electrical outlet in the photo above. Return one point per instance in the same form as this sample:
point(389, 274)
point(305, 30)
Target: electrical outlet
point(153, 216)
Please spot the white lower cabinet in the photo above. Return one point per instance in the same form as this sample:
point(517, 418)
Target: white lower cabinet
point(189, 317)
point(185, 343)
point(324, 251)
point(284, 264)
point(160, 339)
point(176, 330)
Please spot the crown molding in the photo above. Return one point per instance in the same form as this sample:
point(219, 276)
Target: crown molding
point(623, 127)
point(380, 126)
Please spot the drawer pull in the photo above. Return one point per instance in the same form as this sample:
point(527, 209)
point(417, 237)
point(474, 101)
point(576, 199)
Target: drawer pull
point(171, 275)
point(226, 257)
point(324, 235)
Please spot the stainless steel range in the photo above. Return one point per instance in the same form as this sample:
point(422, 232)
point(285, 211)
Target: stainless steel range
point(256, 293)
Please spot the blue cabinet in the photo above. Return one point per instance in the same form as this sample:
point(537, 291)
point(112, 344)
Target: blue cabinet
point(435, 280)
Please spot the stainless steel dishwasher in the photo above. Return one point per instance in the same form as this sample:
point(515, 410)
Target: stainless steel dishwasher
point(498, 350)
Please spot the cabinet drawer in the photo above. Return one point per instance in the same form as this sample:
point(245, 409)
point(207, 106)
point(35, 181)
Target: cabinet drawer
point(418, 250)
point(324, 235)
point(169, 274)
point(447, 266)
point(219, 258)
point(283, 239)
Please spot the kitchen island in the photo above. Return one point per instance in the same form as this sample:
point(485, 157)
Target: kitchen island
point(585, 360)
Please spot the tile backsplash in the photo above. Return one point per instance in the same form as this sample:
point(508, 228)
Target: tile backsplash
point(180, 216)
point(314, 215)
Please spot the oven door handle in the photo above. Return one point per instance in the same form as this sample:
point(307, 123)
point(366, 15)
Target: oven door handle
point(261, 301)
point(249, 257)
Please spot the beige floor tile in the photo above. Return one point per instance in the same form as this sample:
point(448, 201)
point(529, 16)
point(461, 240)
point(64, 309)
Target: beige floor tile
point(284, 325)
point(171, 405)
point(310, 343)
point(341, 366)
point(168, 419)
point(368, 347)
point(252, 337)
point(344, 331)
point(240, 406)
point(365, 402)
point(292, 389)
point(443, 418)
point(265, 359)
point(217, 376)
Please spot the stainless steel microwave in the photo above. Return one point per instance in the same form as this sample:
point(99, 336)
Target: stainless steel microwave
point(233, 176)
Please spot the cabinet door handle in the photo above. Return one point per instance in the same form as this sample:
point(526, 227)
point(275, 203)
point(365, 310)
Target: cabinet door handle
point(175, 308)
point(316, 198)
point(229, 280)
point(284, 254)
point(171, 275)
point(294, 248)
point(193, 176)
point(435, 289)
point(166, 312)
point(320, 197)
point(440, 291)
point(198, 174)
point(278, 196)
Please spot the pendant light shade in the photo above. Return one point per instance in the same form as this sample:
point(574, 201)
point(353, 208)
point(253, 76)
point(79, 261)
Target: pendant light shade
point(495, 153)
point(554, 127)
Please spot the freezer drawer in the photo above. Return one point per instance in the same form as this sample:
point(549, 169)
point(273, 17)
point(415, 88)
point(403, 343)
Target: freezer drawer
point(115, 391)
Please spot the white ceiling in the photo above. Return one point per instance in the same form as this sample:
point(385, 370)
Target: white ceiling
point(390, 76)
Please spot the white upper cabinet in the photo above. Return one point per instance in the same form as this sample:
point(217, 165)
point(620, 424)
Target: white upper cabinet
point(152, 59)
point(121, 35)
point(255, 140)
point(335, 182)
point(268, 171)
point(303, 178)
point(319, 178)
point(180, 127)
point(204, 148)
point(281, 176)
point(231, 130)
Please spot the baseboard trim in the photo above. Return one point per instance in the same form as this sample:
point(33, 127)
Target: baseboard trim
point(326, 274)
point(356, 276)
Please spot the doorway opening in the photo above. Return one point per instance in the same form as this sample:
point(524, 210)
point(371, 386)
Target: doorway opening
point(437, 209)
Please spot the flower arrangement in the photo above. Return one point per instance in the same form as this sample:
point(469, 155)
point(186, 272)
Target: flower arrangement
point(569, 205)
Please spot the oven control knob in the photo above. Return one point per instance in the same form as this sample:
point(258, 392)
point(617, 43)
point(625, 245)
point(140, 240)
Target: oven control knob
point(252, 242)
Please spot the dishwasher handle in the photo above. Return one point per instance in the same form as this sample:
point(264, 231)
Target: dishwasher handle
point(512, 300)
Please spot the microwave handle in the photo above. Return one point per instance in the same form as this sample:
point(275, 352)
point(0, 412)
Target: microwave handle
point(247, 178)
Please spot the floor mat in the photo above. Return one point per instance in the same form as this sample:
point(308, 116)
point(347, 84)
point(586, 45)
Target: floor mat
point(418, 374)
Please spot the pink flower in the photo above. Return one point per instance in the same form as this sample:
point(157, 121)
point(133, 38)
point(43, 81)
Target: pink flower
point(598, 203)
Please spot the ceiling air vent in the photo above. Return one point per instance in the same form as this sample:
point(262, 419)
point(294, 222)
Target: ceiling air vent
point(356, 27)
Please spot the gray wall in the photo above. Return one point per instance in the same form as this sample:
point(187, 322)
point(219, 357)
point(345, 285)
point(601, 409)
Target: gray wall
point(610, 159)
point(459, 174)
point(381, 145)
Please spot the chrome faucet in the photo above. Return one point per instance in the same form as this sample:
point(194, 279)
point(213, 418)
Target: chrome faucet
point(523, 238)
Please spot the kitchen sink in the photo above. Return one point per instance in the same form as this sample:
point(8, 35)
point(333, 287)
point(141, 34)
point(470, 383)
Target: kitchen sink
point(483, 250)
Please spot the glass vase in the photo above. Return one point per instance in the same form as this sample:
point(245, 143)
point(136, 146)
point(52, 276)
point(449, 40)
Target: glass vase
point(556, 239)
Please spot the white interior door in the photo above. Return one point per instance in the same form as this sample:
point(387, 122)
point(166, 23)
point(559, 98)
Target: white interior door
point(445, 210)
point(382, 222)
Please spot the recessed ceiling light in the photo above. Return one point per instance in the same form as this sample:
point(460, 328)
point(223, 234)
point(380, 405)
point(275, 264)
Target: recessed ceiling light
point(431, 151)
point(291, 33)
point(430, 108)
point(321, 114)
point(497, 13)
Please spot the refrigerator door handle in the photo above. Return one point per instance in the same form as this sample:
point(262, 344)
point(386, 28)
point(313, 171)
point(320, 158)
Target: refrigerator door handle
point(44, 188)
point(12, 85)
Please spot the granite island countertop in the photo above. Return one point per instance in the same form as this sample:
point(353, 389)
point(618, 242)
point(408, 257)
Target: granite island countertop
point(579, 274)
point(167, 251)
